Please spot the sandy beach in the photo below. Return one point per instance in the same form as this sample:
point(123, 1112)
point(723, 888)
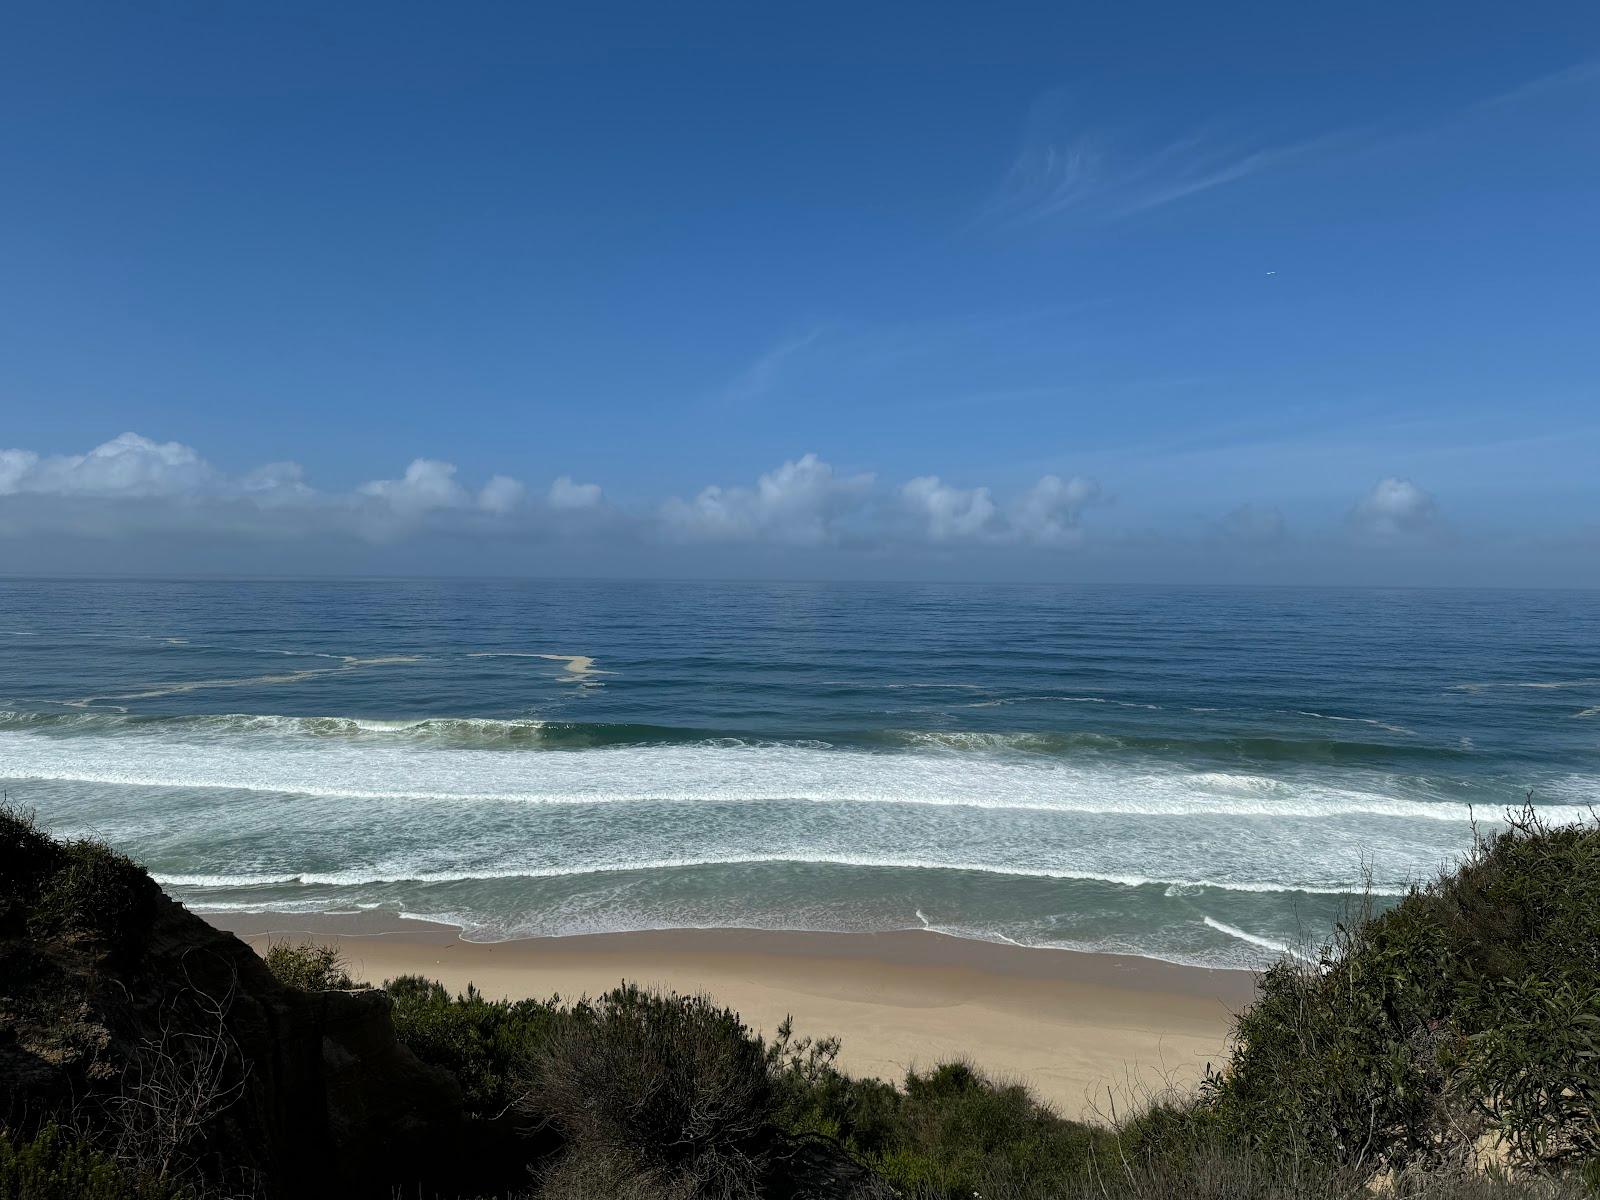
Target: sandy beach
point(1077, 1028)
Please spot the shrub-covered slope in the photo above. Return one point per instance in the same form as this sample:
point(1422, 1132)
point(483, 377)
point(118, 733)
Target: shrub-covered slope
point(171, 1047)
point(1465, 1018)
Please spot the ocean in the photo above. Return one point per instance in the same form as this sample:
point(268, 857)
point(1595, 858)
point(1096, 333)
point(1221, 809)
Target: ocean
point(1199, 775)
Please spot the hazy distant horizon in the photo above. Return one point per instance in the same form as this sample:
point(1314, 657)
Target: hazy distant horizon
point(778, 580)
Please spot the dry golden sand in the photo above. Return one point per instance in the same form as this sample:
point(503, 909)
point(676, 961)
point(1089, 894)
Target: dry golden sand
point(1076, 1028)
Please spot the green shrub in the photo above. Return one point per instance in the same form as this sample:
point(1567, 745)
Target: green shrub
point(1535, 1068)
point(66, 889)
point(1470, 1007)
point(27, 855)
point(668, 1087)
point(53, 1165)
point(488, 1045)
point(309, 966)
point(654, 1096)
point(956, 1133)
point(950, 1132)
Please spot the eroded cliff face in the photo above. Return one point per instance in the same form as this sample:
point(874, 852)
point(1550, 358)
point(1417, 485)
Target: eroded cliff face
point(171, 1040)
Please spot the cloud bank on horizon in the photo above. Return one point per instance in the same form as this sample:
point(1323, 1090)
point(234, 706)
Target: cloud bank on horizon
point(133, 489)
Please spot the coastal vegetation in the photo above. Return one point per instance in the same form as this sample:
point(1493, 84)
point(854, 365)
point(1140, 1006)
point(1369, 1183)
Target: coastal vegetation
point(1446, 1046)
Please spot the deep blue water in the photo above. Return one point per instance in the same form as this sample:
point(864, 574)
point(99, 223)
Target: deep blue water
point(1193, 774)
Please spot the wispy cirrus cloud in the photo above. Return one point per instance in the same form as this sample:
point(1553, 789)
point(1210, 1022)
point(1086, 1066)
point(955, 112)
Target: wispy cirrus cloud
point(1067, 167)
point(1072, 165)
point(1582, 74)
point(766, 372)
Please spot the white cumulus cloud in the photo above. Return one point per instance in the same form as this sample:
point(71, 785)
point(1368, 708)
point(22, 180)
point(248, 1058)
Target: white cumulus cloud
point(800, 503)
point(277, 483)
point(133, 487)
point(1395, 508)
point(427, 484)
point(565, 494)
point(126, 466)
point(1048, 513)
point(136, 483)
point(950, 514)
point(501, 494)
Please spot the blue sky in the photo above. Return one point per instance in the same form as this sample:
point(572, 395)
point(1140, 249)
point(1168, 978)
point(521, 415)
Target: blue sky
point(1148, 291)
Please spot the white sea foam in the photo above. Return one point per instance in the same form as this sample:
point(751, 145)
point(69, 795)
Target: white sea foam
point(400, 769)
point(347, 662)
point(1537, 684)
point(1373, 721)
point(1248, 785)
point(400, 874)
point(1063, 700)
point(481, 928)
point(224, 725)
point(977, 739)
point(1255, 939)
point(868, 685)
point(578, 668)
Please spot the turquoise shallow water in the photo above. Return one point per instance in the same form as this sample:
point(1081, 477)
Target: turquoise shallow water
point(1198, 775)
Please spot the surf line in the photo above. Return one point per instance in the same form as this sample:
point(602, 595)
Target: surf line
point(347, 662)
point(1255, 939)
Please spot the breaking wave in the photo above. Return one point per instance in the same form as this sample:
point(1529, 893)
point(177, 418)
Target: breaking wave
point(534, 733)
point(1272, 945)
point(441, 761)
point(356, 878)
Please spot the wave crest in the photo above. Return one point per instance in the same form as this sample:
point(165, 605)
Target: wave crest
point(398, 874)
point(537, 734)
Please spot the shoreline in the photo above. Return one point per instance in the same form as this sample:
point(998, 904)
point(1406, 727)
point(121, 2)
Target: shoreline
point(1084, 1031)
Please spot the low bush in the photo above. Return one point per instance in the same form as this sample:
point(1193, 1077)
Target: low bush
point(670, 1088)
point(79, 888)
point(955, 1133)
point(949, 1132)
point(488, 1045)
point(309, 966)
point(54, 1165)
point(27, 855)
